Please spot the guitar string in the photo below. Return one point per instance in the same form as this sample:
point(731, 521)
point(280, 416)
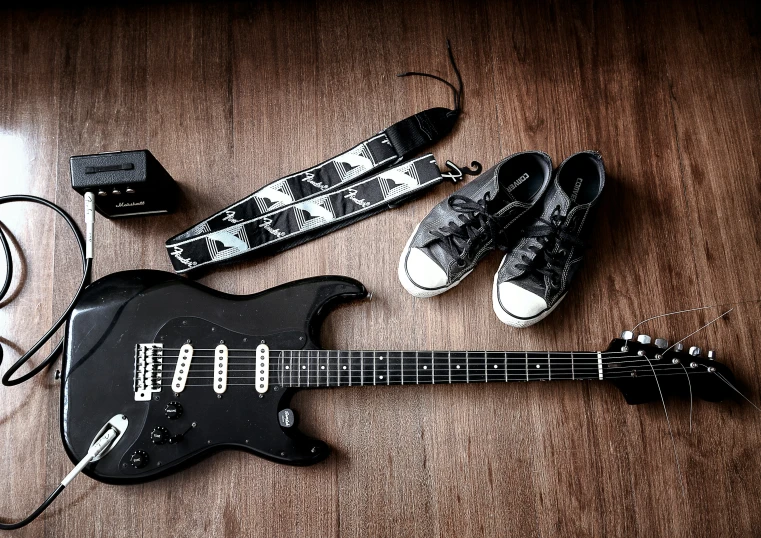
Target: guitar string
point(312, 372)
point(414, 383)
point(364, 381)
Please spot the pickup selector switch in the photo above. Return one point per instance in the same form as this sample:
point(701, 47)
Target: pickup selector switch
point(173, 410)
point(160, 435)
point(138, 459)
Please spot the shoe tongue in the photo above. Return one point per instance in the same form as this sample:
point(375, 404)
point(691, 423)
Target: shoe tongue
point(501, 195)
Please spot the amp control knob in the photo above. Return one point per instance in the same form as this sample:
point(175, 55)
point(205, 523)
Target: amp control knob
point(138, 459)
point(160, 435)
point(173, 410)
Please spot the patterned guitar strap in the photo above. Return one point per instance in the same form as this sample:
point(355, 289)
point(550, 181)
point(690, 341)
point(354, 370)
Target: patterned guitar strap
point(367, 179)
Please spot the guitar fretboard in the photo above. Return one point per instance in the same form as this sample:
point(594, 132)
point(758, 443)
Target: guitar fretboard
point(313, 368)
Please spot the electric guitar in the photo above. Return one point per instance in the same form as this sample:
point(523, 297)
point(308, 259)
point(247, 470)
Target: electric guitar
point(181, 370)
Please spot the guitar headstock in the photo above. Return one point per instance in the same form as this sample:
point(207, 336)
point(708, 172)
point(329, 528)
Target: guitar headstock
point(629, 365)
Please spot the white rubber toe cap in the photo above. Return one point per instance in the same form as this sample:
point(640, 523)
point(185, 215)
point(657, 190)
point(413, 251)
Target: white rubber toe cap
point(519, 302)
point(423, 271)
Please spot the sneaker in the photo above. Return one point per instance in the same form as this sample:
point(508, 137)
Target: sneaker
point(458, 232)
point(534, 277)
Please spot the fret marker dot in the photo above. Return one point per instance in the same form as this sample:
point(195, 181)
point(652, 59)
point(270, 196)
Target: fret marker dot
point(303, 367)
point(458, 366)
point(495, 365)
point(344, 367)
point(380, 376)
point(537, 366)
point(287, 367)
point(381, 358)
point(322, 367)
point(425, 367)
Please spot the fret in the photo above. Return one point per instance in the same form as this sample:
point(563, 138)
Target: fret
point(561, 365)
point(322, 378)
point(417, 369)
point(495, 367)
point(289, 367)
point(375, 369)
point(280, 366)
point(388, 370)
point(515, 365)
point(458, 369)
point(476, 367)
point(425, 367)
point(441, 372)
point(368, 367)
point(394, 360)
point(355, 368)
point(344, 374)
point(537, 366)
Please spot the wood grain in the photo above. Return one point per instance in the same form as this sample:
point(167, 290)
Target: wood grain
point(230, 96)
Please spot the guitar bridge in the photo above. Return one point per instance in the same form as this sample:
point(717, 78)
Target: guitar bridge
point(148, 368)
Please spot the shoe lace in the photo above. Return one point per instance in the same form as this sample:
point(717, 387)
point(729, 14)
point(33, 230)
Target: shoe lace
point(474, 220)
point(549, 234)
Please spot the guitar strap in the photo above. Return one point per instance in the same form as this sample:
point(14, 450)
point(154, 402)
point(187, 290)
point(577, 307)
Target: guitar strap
point(274, 224)
point(366, 179)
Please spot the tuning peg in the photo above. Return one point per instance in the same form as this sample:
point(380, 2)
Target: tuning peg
point(661, 343)
point(695, 351)
point(627, 335)
point(643, 339)
point(679, 347)
point(712, 355)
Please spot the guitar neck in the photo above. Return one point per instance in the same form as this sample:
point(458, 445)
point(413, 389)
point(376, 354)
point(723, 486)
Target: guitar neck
point(321, 368)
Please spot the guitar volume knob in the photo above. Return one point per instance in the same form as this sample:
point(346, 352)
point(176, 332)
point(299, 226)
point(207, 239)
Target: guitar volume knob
point(173, 410)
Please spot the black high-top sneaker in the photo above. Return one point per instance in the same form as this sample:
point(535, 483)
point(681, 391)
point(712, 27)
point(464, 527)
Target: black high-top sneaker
point(458, 232)
point(534, 277)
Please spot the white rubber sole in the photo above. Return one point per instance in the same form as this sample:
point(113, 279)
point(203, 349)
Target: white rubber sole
point(519, 323)
point(410, 286)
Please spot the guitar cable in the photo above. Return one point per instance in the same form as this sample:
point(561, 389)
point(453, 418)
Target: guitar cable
point(110, 434)
point(85, 250)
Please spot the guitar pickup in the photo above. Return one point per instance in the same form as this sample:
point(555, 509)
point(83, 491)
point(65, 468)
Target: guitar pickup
point(262, 371)
point(182, 368)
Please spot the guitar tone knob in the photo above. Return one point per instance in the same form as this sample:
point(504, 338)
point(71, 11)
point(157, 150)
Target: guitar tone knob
point(138, 459)
point(695, 351)
point(627, 335)
point(160, 435)
point(644, 339)
point(661, 343)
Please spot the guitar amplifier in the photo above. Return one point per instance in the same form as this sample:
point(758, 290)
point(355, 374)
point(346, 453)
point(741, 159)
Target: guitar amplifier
point(125, 183)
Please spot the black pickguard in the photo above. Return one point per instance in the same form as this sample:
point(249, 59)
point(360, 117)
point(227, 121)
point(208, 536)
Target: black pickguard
point(124, 309)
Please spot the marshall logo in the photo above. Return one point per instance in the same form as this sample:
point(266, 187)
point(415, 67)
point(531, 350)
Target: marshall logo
point(130, 204)
point(177, 253)
point(352, 195)
point(518, 182)
point(309, 178)
point(267, 225)
point(576, 189)
point(230, 217)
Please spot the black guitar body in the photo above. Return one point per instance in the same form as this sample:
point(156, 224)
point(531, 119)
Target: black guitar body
point(123, 309)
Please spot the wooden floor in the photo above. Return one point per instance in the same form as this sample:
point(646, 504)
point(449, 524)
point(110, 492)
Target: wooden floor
point(229, 97)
